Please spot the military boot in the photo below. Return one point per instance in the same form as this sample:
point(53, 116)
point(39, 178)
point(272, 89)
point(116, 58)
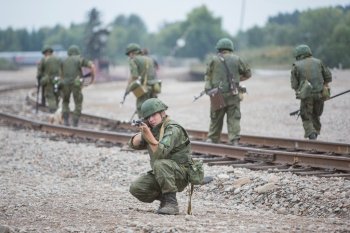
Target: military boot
point(66, 118)
point(162, 201)
point(171, 206)
point(313, 136)
point(235, 142)
point(75, 121)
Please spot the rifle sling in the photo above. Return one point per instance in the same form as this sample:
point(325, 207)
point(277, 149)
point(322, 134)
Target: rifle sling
point(233, 86)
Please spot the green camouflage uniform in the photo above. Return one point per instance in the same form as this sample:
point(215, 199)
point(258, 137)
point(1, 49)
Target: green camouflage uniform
point(72, 83)
point(49, 73)
point(142, 68)
point(216, 76)
point(311, 108)
point(169, 163)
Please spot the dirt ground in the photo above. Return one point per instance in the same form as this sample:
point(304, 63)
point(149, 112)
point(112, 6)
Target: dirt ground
point(56, 186)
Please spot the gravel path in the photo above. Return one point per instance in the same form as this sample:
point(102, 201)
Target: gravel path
point(56, 186)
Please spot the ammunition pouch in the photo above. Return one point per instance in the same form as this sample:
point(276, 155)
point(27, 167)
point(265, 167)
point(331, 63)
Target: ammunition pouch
point(217, 100)
point(138, 89)
point(44, 80)
point(305, 90)
point(156, 86)
point(241, 91)
point(326, 93)
point(78, 82)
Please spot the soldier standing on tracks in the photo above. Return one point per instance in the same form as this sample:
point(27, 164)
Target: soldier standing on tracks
point(73, 82)
point(170, 156)
point(143, 82)
point(309, 79)
point(48, 76)
point(224, 72)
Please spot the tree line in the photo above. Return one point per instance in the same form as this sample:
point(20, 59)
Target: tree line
point(326, 30)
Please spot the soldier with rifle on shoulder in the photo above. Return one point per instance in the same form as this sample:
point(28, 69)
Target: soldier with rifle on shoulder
point(224, 73)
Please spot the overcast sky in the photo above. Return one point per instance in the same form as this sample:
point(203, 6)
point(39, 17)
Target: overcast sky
point(33, 14)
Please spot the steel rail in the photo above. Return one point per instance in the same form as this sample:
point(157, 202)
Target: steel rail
point(242, 153)
point(272, 142)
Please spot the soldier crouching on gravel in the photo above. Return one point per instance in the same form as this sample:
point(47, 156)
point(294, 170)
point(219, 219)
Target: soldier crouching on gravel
point(169, 148)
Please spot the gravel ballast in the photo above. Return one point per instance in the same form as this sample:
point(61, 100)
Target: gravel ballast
point(56, 186)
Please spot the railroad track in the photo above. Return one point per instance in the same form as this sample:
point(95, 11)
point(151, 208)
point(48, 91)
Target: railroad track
point(301, 157)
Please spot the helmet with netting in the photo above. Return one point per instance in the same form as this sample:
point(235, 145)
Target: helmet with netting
point(73, 50)
point(132, 48)
point(151, 106)
point(302, 50)
point(224, 43)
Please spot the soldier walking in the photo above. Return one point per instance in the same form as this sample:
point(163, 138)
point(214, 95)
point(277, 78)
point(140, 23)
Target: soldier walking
point(73, 83)
point(309, 79)
point(48, 76)
point(224, 72)
point(143, 82)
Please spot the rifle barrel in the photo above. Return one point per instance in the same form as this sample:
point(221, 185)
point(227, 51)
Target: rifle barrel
point(341, 93)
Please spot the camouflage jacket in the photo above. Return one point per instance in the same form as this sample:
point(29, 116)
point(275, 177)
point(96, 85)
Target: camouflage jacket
point(49, 67)
point(174, 144)
point(216, 73)
point(142, 67)
point(71, 68)
point(310, 69)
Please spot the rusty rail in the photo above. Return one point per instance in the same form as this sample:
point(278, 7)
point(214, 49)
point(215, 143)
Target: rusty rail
point(242, 153)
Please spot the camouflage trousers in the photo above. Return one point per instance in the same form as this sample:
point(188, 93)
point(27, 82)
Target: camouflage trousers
point(51, 97)
point(233, 119)
point(166, 177)
point(311, 110)
point(76, 90)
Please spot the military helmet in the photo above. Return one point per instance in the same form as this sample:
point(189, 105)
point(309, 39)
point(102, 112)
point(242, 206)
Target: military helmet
point(46, 48)
point(151, 106)
point(302, 50)
point(73, 50)
point(132, 48)
point(224, 43)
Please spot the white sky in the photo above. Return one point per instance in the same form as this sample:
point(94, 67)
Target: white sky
point(33, 14)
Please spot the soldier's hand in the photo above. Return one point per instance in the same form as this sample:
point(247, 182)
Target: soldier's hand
point(147, 134)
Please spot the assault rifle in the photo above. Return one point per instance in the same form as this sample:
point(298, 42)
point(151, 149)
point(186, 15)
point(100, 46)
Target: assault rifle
point(208, 92)
point(297, 112)
point(137, 122)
